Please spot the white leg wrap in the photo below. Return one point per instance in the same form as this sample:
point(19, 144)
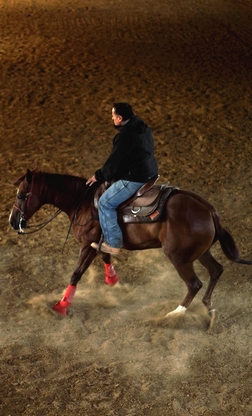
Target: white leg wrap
point(180, 309)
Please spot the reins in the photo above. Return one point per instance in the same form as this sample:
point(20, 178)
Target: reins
point(42, 225)
point(74, 220)
point(39, 226)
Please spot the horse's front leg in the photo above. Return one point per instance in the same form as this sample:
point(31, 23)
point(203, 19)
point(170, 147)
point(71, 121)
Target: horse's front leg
point(111, 277)
point(87, 255)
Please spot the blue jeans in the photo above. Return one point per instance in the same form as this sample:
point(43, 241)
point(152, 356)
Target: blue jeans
point(115, 195)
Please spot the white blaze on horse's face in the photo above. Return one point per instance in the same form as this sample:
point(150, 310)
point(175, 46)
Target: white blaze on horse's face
point(19, 214)
point(10, 218)
point(11, 214)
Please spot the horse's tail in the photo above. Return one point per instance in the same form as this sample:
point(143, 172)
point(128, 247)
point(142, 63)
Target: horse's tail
point(227, 242)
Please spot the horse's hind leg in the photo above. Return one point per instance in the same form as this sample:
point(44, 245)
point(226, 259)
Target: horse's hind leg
point(215, 270)
point(187, 273)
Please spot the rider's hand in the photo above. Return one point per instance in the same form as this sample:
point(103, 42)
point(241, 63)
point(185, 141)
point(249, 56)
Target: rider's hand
point(90, 181)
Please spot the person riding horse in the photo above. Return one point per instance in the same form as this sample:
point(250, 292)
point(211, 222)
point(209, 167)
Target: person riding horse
point(186, 230)
point(130, 164)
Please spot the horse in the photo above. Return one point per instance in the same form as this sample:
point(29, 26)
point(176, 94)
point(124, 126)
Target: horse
point(186, 230)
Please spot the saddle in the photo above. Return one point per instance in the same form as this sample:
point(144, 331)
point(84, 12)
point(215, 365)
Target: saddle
point(146, 205)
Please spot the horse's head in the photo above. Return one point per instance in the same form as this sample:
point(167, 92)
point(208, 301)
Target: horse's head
point(27, 201)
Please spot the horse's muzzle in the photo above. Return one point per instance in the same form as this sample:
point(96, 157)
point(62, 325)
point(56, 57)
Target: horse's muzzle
point(17, 224)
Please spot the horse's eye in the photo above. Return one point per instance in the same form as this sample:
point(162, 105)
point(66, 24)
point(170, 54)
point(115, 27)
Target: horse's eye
point(21, 196)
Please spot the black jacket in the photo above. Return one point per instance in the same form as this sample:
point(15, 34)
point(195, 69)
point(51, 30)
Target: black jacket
point(132, 155)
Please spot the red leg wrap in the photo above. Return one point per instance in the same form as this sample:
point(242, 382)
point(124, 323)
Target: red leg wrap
point(65, 302)
point(111, 276)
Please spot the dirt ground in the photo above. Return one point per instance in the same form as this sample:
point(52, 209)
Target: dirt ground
point(185, 66)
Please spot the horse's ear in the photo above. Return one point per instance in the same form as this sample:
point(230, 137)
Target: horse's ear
point(35, 169)
point(29, 176)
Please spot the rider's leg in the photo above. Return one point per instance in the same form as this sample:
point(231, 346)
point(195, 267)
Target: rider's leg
point(116, 194)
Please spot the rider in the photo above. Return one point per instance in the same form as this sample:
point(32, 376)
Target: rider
point(130, 164)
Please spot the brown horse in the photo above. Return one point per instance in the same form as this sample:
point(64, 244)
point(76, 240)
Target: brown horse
point(187, 229)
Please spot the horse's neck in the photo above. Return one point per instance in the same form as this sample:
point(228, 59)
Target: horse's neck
point(63, 191)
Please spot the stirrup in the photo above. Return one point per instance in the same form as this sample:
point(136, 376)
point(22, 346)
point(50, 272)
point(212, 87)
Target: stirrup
point(100, 243)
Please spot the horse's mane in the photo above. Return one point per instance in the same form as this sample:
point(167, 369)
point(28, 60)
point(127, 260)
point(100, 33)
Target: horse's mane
point(71, 188)
point(63, 182)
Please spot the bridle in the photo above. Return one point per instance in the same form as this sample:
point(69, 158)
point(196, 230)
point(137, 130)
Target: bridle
point(26, 199)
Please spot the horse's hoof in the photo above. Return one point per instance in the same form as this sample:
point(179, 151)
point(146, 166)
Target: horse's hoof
point(111, 280)
point(60, 309)
point(212, 314)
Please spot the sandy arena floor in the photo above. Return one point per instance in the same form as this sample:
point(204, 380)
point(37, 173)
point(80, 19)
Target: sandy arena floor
point(185, 66)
